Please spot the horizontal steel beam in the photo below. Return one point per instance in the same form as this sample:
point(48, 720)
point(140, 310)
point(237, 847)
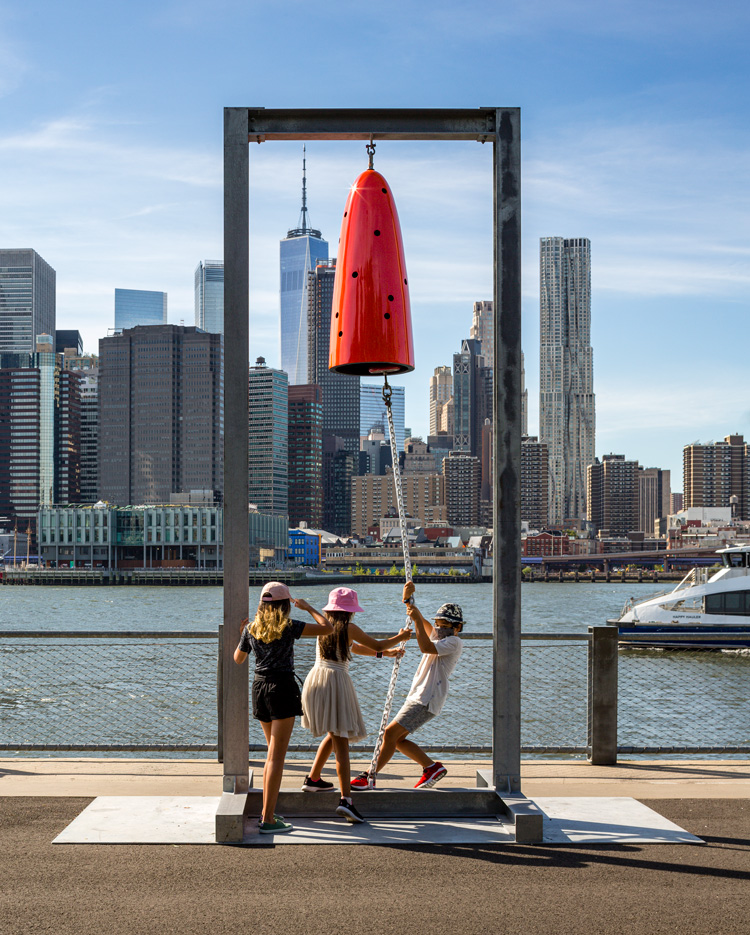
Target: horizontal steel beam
point(378, 124)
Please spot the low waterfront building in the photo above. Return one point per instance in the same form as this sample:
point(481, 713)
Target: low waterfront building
point(305, 547)
point(153, 536)
point(546, 544)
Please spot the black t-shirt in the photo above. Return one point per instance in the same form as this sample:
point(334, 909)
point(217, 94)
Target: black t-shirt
point(276, 656)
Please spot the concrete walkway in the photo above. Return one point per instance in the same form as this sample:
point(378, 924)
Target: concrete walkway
point(664, 779)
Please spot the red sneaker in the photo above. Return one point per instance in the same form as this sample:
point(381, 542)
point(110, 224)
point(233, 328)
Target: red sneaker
point(361, 782)
point(431, 775)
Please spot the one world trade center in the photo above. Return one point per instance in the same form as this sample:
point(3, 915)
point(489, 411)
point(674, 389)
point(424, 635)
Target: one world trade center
point(300, 251)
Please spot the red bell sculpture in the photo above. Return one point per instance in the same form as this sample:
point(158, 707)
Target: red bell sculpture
point(370, 315)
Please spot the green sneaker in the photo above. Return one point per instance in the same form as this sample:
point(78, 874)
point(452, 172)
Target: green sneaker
point(275, 827)
point(275, 818)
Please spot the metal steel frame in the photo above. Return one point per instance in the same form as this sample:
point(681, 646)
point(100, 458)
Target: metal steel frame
point(500, 126)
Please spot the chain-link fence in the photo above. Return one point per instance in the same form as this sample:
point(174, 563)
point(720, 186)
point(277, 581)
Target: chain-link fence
point(157, 692)
point(683, 701)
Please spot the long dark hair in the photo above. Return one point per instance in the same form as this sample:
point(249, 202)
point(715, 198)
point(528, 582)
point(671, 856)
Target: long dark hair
point(335, 646)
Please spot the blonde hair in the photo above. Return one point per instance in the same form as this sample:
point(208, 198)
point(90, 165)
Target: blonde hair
point(270, 620)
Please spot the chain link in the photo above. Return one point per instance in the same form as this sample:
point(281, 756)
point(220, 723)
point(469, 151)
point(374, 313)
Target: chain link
point(407, 574)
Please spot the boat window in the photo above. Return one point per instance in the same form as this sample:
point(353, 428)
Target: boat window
point(731, 602)
point(736, 559)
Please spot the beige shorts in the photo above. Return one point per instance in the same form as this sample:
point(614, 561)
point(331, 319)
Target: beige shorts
point(413, 715)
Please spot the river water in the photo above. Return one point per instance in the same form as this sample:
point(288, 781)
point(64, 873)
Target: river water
point(118, 691)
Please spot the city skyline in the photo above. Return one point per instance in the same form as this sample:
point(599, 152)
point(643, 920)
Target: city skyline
point(112, 153)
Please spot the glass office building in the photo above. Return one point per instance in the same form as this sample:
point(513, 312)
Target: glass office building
point(139, 307)
point(27, 300)
point(372, 412)
point(209, 296)
point(300, 251)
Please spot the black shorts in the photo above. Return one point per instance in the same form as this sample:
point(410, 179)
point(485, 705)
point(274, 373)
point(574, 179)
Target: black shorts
point(276, 697)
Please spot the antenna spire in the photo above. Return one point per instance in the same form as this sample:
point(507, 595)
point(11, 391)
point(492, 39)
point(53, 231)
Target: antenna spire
point(303, 226)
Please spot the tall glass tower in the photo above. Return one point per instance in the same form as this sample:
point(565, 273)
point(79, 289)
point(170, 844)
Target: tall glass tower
point(300, 251)
point(209, 296)
point(139, 307)
point(566, 372)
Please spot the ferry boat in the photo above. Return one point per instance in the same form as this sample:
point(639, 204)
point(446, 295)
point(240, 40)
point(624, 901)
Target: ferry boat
point(704, 612)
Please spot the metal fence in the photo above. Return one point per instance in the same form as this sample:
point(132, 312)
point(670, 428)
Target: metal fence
point(137, 692)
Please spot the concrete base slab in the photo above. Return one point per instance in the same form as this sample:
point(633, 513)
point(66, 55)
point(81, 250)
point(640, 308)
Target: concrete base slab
point(336, 831)
point(147, 819)
point(621, 820)
point(191, 820)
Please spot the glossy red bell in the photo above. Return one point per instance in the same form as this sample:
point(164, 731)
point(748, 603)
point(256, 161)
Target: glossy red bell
point(371, 316)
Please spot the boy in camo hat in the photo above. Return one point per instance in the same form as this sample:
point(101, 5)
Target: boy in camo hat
point(441, 647)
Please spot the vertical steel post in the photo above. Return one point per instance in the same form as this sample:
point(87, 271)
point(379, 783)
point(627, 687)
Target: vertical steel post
point(235, 731)
point(506, 586)
point(602, 699)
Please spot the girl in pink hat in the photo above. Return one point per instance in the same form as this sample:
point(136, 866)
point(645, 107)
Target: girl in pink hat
point(329, 700)
point(276, 694)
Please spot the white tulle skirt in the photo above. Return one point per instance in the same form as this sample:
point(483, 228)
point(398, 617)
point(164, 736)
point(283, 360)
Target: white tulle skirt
point(329, 702)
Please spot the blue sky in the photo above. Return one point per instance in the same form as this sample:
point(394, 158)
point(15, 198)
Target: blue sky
point(635, 134)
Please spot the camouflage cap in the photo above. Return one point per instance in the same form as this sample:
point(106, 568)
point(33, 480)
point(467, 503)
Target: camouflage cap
point(451, 613)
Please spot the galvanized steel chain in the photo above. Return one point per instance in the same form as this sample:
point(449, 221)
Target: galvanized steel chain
point(387, 393)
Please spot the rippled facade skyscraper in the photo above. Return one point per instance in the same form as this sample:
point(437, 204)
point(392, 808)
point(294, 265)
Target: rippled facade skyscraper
point(300, 251)
point(567, 418)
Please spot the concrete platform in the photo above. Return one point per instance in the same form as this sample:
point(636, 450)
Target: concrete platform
point(190, 820)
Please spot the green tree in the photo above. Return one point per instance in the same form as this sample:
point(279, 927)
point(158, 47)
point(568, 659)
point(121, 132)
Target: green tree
point(394, 570)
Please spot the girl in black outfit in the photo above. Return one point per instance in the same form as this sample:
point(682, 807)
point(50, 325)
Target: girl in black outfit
point(276, 694)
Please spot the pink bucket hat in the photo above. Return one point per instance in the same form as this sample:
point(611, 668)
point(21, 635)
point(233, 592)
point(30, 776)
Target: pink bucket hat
point(344, 599)
point(275, 591)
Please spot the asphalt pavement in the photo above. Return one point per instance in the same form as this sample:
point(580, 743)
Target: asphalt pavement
point(138, 889)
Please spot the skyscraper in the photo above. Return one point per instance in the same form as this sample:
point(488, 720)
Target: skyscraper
point(654, 495)
point(268, 437)
point(340, 400)
point(87, 366)
point(39, 434)
point(613, 495)
point(566, 372)
point(441, 391)
point(161, 414)
point(534, 482)
point(373, 415)
point(482, 330)
point(27, 300)
point(462, 474)
point(300, 251)
point(209, 296)
point(139, 307)
point(305, 456)
point(472, 396)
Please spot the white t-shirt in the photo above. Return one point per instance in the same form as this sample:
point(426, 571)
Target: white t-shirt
point(430, 684)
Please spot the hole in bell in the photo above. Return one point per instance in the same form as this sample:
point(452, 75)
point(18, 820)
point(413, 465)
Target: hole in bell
point(384, 191)
point(341, 334)
point(387, 315)
point(354, 275)
point(377, 233)
point(390, 298)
